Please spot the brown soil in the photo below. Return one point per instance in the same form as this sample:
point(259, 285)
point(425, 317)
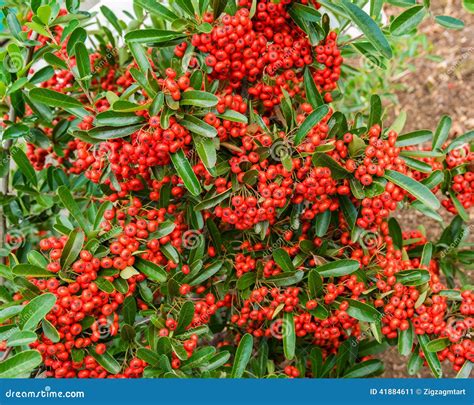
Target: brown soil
point(432, 90)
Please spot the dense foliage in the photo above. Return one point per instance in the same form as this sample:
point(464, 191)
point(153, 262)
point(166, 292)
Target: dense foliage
point(181, 199)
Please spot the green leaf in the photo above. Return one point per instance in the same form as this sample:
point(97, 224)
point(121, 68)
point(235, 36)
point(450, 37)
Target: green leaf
point(198, 99)
point(72, 248)
point(418, 190)
point(107, 361)
point(151, 270)
point(152, 36)
point(426, 255)
point(415, 362)
point(311, 120)
point(9, 312)
point(461, 140)
point(199, 127)
point(82, 60)
point(20, 364)
point(217, 361)
point(247, 280)
point(430, 357)
point(212, 201)
point(78, 35)
point(413, 277)
point(449, 22)
point(155, 8)
point(285, 279)
point(54, 99)
point(129, 311)
point(405, 341)
point(185, 171)
point(365, 369)
point(414, 138)
point(242, 356)
point(29, 270)
point(283, 259)
point(349, 210)
point(363, 312)
point(375, 116)
point(407, 21)
point(368, 27)
point(233, 116)
point(469, 6)
point(289, 336)
point(315, 283)
point(50, 331)
point(442, 132)
point(71, 205)
point(207, 273)
point(110, 132)
point(105, 285)
point(35, 311)
point(338, 268)
point(185, 316)
point(24, 165)
point(437, 345)
point(466, 369)
point(206, 150)
point(312, 92)
point(21, 338)
point(418, 165)
point(321, 223)
point(199, 358)
point(112, 18)
point(149, 356)
point(117, 119)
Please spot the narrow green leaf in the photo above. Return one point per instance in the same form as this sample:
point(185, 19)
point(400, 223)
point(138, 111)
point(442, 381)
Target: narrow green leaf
point(185, 171)
point(35, 311)
point(338, 268)
point(20, 364)
point(418, 190)
point(289, 336)
point(242, 356)
point(368, 27)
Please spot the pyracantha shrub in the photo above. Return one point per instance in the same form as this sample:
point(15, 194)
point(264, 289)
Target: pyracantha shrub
point(185, 200)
